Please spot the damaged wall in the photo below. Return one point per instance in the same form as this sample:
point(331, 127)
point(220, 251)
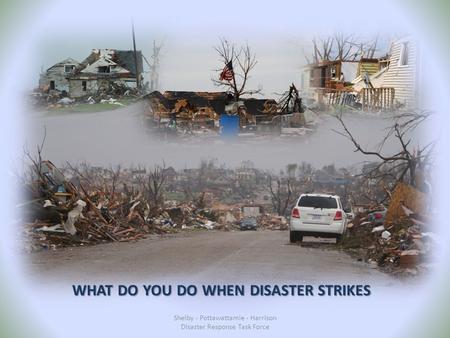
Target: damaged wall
point(84, 86)
point(56, 76)
point(96, 72)
point(80, 87)
point(401, 73)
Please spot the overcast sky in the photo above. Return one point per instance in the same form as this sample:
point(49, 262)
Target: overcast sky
point(278, 32)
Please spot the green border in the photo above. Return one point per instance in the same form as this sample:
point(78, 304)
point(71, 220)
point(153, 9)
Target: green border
point(435, 15)
point(14, 323)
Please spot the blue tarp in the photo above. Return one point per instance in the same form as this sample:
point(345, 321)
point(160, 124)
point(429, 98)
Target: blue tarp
point(229, 125)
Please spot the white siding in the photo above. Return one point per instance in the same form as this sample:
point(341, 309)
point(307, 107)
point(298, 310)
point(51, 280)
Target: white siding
point(402, 77)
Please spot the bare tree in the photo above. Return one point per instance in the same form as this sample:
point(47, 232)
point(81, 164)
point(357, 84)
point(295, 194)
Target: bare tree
point(245, 187)
point(115, 175)
point(198, 200)
point(242, 61)
point(345, 47)
point(291, 169)
point(371, 48)
point(342, 47)
point(305, 169)
point(401, 166)
point(36, 163)
point(281, 193)
point(205, 172)
point(82, 171)
point(322, 49)
point(154, 184)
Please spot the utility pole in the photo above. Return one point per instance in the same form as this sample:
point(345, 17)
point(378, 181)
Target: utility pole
point(138, 80)
point(154, 67)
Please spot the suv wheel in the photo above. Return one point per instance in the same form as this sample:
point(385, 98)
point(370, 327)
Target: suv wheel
point(293, 236)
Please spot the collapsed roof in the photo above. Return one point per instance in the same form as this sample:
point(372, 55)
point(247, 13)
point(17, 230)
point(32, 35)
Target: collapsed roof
point(111, 63)
point(170, 100)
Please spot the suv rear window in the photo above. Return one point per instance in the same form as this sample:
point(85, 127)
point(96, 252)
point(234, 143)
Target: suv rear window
point(318, 202)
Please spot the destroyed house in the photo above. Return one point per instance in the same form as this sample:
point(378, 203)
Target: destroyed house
point(399, 70)
point(196, 100)
point(367, 66)
point(102, 69)
point(189, 105)
point(402, 72)
point(55, 77)
point(260, 106)
point(330, 74)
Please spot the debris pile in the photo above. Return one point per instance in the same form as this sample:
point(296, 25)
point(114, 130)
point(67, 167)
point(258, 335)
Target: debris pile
point(397, 239)
point(85, 205)
point(182, 114)
point(45, 98)
point(62, 213)
point(184, 217)
point(272, 222)
point(83, 219)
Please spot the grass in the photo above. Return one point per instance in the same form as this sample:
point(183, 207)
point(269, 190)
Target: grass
point(90, 108)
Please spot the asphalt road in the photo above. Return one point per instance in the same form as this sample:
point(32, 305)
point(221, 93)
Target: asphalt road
point(205, 257)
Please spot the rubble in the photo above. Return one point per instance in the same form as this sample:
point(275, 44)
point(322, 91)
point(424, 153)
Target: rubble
point(386, 235)
point(405, 195)
point(399, 245)
point(93, 214)
point(66, 100)
point(272, 222)
point(89, 205)
point(50, 99)
point(73, 216)
point(378, 228)
point(180, 113)
point(409, 258)
point(76, 206)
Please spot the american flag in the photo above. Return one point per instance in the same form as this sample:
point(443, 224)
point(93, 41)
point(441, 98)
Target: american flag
point(227, 73)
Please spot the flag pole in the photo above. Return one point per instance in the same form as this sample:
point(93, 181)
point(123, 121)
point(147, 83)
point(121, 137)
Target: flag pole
point(234, 82)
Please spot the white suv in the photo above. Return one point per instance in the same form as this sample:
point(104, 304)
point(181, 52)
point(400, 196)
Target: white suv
point(317, 215)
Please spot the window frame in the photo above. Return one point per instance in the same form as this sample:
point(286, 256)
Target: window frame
point(404, 54)
point(69, 65)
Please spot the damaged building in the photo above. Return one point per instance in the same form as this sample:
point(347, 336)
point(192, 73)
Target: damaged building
point(205, 109)
point(190, 112)
point(399, 71)
point(102, 70)
point(56, 77)
point(384, 83)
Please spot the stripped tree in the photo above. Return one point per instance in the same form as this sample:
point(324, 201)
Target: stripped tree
point(282, 193)
point(237, 62)
point(341, 47)
point(153, 183)
point(409, 163)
